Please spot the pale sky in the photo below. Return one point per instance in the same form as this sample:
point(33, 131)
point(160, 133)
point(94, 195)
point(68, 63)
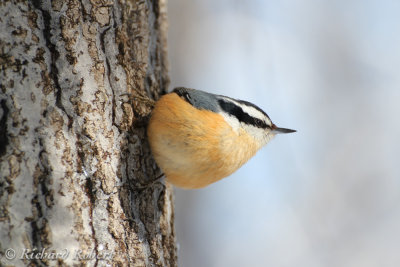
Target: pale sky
point(327, 195)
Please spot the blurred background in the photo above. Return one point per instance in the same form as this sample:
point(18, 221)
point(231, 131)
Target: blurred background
point(329, 194)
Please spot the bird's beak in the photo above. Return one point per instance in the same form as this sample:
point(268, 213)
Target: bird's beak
point(278, 130)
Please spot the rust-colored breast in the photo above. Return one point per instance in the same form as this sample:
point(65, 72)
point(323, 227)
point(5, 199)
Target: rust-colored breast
point(193, 147)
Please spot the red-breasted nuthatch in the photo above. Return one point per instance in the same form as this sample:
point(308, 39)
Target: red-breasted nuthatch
point(198, 138)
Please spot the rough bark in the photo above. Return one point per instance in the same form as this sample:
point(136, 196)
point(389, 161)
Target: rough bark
point(75, 166)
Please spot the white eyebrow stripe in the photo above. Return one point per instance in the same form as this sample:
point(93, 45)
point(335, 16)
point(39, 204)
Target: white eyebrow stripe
point(250, 110)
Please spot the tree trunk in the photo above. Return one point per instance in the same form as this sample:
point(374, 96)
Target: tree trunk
point(76, 172)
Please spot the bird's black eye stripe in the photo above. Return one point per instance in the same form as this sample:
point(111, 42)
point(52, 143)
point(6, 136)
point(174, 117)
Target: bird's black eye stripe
point(242, 116)
point(253, 106)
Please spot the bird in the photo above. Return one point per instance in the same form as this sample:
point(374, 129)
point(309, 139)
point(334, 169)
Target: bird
point(198, 138)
